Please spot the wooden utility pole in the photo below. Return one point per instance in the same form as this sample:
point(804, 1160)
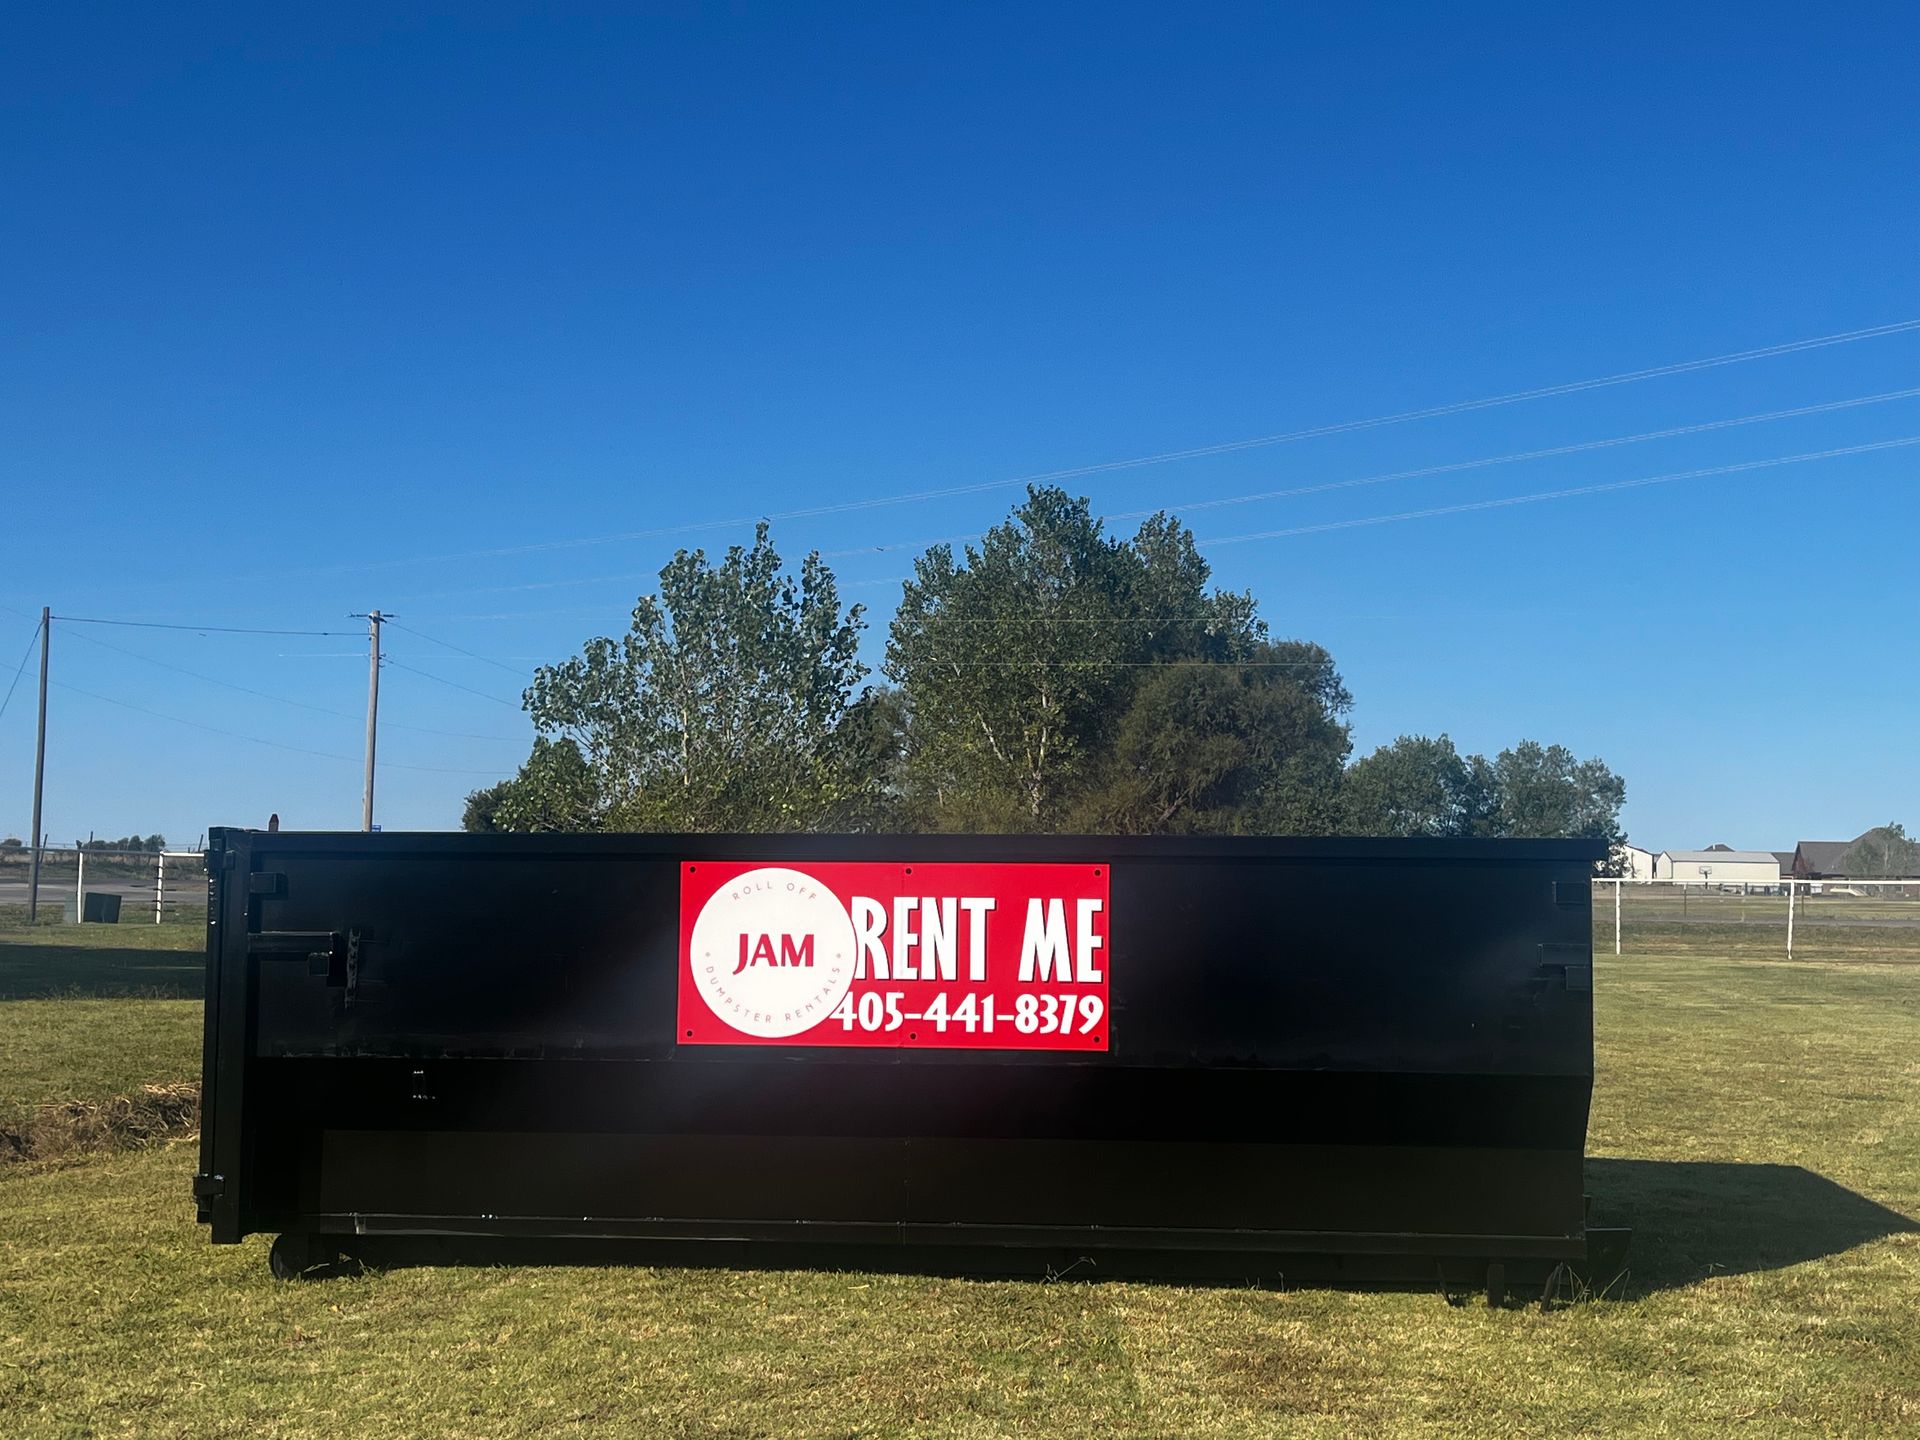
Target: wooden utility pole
point(374, 617)
point(39, 767)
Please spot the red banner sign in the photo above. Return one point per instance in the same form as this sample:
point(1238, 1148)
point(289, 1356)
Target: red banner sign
point(974, 957)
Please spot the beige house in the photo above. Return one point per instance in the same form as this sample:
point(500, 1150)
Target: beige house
point(1715, 868)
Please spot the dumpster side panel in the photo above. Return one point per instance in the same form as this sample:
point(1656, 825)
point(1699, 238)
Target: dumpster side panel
point(1319, 1045)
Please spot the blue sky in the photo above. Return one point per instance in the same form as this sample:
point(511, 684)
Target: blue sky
point(297, 302)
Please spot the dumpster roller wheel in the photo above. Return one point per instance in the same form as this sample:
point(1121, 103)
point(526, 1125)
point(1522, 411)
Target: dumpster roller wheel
point(296, 1252)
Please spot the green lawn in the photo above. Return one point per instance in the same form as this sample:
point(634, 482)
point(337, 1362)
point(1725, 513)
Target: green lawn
point(88, 1049)
point(145, 961)
point(90, 1015)
point(1756, 1122)
point(91, 1012)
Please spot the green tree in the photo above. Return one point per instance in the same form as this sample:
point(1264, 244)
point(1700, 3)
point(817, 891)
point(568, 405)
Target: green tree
point(1543, 791)
point(1423, 786)
point(483, 814)
point(152, 844)
point(1021, 662)
point(1179, 618)
point(1883, 851)
point(873, 747)
point(554, 790)
point(1009, 662)
point(1252, 747)
point(721, 708)
point(1418, 786)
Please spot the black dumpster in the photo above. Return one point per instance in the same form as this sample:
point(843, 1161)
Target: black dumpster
point(1367, 1061)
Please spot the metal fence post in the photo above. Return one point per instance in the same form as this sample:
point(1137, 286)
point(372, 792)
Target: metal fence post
point(1616, 914)
point(159, 886)
point(1789, 919)
point(80, 885)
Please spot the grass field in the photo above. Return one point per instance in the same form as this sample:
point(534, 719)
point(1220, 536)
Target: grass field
point(1756, 1122)
point(99, 1028)
point(134, 961)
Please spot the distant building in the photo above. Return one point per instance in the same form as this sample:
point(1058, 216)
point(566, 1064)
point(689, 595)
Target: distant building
point(1817, 859)
point(1868, 854)
point(1785, 857)
point(1635, 862)
point(1883, 851)
point(1719, 866)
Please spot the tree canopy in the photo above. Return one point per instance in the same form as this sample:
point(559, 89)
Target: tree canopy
point(1243, 747)
point(152, 844)
point(1884, 850)
point(720, 709)
point(555, 790)
point(1059, 677)
point(1418, 786)
point(1542, 791)
point(1050, 677)
point(1424, 786)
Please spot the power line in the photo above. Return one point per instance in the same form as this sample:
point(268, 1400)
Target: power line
point(1452, 467)
point(359, 655)
point(454, 734)
point(452, 684)
point(1561, 494)
point(1522, 455)
point(23, 666)
point(256, 739)
point(203, 629)
point(511, 615)
point(448, 644)
point(1459, 407)
point(287, 699)
point(1466, 506)
point(534, 585)
point(213, 680)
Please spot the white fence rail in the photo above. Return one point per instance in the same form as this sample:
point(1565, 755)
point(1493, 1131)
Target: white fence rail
point(1815, 919)
point(152, 886)
point(1857, 915)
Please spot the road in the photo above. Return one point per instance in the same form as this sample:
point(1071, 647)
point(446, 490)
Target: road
point(135, 891)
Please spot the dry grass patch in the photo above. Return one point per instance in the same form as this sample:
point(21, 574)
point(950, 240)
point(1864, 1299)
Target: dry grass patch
point(66, 1128)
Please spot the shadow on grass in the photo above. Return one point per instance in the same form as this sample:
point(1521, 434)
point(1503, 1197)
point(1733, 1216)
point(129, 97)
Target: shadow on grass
point(31, 972)
point(1693, 1219)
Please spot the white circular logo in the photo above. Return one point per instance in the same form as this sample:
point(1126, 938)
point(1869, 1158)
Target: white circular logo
point(772, 952)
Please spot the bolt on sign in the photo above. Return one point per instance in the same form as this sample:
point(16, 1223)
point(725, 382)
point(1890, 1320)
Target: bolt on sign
point(964, 957)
